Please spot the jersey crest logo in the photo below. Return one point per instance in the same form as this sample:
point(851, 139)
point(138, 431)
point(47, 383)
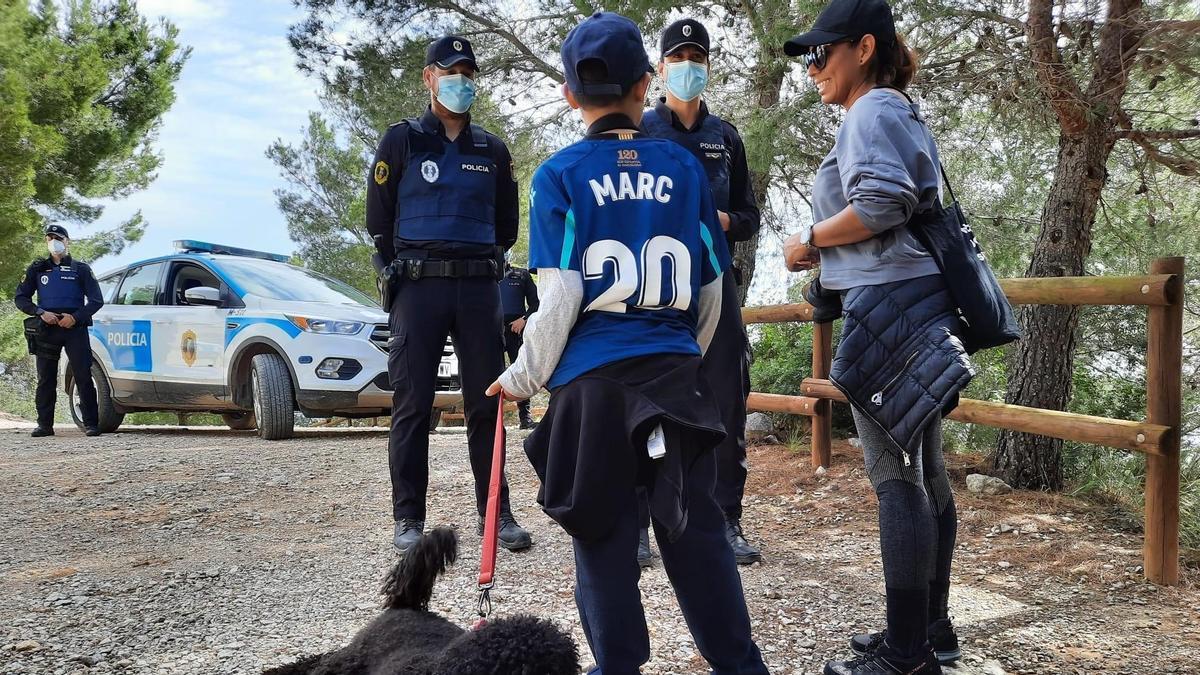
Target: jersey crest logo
point(382, 171)
point(45, 279)
point(429, 170)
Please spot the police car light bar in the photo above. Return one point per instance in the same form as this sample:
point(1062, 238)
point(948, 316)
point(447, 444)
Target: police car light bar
point(191, 246)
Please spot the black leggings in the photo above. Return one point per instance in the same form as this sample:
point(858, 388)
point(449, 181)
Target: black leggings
point(917, 528)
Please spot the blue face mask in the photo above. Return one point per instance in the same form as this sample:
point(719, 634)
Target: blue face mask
point(456, 92)
point(686, 79)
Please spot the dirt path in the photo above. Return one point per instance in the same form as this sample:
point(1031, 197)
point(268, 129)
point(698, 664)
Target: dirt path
point(170, 551)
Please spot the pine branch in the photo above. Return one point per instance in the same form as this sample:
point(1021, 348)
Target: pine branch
point(1158, 134)
point(1061, 90)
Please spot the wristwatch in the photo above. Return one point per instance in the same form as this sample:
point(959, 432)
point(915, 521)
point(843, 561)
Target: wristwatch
point(806, 235)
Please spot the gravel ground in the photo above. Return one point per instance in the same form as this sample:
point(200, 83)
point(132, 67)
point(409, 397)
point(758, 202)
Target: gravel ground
point(202, 551)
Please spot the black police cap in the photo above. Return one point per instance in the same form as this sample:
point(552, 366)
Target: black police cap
point(447, 51)
point(57, 230)
point(683, 33)
point(846, 19)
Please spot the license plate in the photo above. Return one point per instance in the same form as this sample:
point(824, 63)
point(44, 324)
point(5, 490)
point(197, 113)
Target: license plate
point(443, 370)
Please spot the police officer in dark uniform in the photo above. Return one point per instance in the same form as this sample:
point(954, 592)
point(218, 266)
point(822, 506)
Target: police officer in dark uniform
point(519, 298)
point(67, 297)
point(442, 207)
point(683, 117)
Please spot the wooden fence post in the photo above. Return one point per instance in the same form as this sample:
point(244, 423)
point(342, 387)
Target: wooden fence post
point(822, 419)
point(1164, 362)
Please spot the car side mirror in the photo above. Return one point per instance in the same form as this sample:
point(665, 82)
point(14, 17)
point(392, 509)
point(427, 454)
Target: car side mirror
point(203, 295)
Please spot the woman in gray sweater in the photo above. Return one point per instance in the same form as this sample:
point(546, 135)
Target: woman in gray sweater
point(882, 170)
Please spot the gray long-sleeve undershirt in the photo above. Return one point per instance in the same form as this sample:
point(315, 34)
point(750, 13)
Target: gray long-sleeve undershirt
point(546, 332)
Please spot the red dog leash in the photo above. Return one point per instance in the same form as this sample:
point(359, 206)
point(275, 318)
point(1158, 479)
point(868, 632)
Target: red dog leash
point(491, 520)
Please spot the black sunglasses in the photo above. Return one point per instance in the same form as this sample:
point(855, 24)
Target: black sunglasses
point(818, 56)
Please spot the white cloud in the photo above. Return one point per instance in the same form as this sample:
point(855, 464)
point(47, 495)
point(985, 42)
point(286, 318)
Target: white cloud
point(185, 12)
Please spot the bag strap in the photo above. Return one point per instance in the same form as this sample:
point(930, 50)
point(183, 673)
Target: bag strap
point(921, 118)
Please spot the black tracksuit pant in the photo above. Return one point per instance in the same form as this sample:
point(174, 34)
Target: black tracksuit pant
point(727, 367)
point(423, 313)
point(79, 354)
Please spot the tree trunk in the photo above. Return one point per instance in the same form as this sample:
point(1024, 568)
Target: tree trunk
point(1041, 372)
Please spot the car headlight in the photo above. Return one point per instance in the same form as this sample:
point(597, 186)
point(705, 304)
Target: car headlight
point(326, 326)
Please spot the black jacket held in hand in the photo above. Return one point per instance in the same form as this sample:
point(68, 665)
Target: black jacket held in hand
point(900, 360)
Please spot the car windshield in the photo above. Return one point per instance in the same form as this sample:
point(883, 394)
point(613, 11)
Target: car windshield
point(281, 281)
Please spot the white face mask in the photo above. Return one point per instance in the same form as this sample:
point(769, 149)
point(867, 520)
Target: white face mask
point(56, 247)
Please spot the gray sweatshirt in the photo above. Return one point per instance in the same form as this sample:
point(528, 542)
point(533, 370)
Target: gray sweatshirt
point(885, 165)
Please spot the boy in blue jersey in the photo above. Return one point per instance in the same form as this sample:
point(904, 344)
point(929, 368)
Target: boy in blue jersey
point(630, 255)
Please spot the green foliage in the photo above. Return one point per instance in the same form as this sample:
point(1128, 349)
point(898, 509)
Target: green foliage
point(325, 206)
point(81, 98)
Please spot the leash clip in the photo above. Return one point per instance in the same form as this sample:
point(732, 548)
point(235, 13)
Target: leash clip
point(485, 601)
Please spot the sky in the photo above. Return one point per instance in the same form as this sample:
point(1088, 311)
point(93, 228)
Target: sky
point(239, 91)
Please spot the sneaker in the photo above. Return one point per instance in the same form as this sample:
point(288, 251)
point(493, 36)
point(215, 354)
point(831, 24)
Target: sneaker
point(879, 664)
point(645, 555)
point(941, 635)
point(407, 532)
point(42, 431)
point(91, 431)
point(742, 550)
point(512, 536)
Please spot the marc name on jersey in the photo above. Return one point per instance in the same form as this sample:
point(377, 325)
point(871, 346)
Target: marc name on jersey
point(626, 186)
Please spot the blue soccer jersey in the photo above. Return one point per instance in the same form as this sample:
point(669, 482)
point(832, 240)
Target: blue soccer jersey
point(635, 217)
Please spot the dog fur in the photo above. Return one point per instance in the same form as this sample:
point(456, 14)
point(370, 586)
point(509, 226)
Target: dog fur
point(408, 639)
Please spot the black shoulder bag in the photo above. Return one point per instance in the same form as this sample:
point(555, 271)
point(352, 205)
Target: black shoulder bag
point(987, 318)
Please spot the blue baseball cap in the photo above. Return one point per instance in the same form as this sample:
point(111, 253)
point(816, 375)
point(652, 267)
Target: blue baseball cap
point(57, 231)
point(613, 40)
point(447, 51)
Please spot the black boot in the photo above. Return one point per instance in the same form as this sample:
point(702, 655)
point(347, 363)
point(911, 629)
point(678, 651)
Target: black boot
point(511, 535)
point(40, 432)
point(941, 634)
point(885, 662)
point(525, 416)
point(645, 555)
point(406, 533)
point(742, 550)
point(91, 431)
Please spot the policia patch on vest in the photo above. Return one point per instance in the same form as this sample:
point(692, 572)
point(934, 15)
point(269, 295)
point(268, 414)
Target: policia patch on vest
point(382, 171)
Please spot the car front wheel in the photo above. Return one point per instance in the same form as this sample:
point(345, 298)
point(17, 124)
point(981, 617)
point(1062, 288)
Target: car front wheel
point(107, 416)
point(274, 403)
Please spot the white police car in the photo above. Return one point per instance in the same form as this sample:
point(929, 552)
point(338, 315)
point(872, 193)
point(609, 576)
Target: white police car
point(244, 334)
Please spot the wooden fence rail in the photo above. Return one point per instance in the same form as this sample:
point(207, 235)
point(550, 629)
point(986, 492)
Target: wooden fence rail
point(1158, 437)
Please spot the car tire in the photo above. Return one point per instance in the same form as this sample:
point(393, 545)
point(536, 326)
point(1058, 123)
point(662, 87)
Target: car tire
point(107, 416)
point(435, 418)
point(271, 390)
point(240, 421)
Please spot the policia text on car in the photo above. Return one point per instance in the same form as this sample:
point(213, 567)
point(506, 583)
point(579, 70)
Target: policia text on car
point(67, 297)
point(442, 207)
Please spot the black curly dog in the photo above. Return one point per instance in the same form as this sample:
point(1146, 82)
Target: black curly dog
point(408, 639)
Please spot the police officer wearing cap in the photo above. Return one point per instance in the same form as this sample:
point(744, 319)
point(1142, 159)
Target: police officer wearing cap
point(519, 298)
point(67, 297)
point(442, 208)
point(683, 117)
